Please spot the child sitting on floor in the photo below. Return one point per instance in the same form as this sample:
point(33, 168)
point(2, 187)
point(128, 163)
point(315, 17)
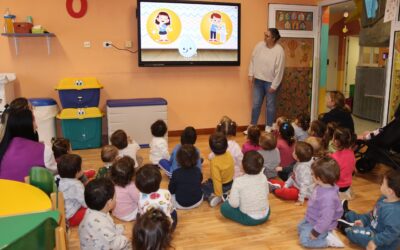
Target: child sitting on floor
point(379, 228)
point(188, 136)
point(253, 137)
point(127, 195)
point(324, 207)
point(98, 230)
point(70, 170)
point(228, 127)
point(270, 153)
point(301, 125)
point(158, 144)
point(248, 200)
point(152, 231)
point(62, 146)
point(285, 145)
point(148, 180)
point(185, 184)
point(343, 140)
point(221, 168)
point(109, 154)
point(126, 146)
point(317, 129)
point(299, 186)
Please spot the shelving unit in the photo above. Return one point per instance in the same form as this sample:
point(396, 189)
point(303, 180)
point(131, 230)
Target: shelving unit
point(16, 37)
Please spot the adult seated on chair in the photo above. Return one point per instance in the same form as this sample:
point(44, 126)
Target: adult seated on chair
point(20, 149)
point(339, 112)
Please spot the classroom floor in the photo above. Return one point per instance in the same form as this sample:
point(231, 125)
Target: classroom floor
point(206, 228)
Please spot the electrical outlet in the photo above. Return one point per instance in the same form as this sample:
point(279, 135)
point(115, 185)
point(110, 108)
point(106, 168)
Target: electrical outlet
point(128, 44)
point(107, 44)
point(87, 44)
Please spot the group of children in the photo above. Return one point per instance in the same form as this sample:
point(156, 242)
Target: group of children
point(312, 162)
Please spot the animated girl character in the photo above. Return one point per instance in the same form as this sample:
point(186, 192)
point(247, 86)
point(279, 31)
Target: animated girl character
point(215, 25)
point(163, 22)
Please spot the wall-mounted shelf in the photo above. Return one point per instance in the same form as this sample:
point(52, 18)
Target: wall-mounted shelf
point(16, 36)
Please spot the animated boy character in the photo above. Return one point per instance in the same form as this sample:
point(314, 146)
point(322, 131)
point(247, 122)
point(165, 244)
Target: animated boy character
point(163, 22)
point(215, 24)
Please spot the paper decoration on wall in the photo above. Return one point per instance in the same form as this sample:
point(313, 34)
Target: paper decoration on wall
point(72, 12)
point(294, 20)
point(292, 45)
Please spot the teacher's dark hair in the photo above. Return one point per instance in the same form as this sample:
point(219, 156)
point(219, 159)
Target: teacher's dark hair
point(275, 34)
point(19, 124)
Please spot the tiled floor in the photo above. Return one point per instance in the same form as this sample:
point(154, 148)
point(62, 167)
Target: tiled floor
point(362, 125)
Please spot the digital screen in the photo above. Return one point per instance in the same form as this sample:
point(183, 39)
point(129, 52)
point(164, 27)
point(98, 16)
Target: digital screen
point(188, 33)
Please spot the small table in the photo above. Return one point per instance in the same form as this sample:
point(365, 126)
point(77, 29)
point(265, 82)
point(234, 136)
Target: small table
point(29, 231)
point(18, 198)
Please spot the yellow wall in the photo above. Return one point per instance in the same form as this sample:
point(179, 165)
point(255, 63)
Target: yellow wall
point(197, 96)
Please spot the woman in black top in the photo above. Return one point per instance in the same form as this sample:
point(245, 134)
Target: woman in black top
point(339, 113)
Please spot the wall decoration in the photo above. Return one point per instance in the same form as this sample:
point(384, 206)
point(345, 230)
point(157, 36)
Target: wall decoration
point(294, 20)
point(394, 100)
point(72, 12)
point(295, 91)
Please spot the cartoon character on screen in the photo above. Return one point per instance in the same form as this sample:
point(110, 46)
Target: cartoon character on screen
point(215, 26)
point(163, 22)
point(187, 48)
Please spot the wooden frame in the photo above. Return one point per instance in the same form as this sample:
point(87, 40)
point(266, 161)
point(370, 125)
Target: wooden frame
point(295, 16)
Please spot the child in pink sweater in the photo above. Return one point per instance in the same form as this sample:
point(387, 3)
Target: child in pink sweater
point(127, 195)
point(343, 140)
point(285, 146)
point(253, 137)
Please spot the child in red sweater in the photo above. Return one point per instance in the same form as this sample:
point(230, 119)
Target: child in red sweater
point(343, 140)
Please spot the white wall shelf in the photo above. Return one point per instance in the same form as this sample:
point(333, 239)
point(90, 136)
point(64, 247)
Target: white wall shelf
point(16, 37)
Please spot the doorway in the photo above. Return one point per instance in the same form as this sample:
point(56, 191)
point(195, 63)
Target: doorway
point(349, 67)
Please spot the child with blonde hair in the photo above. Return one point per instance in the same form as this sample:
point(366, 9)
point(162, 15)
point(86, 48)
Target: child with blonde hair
point(228, 127)
point(109, 154)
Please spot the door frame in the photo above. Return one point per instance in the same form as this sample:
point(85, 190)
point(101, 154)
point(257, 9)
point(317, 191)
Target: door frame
point(395, 26)
point(271, 10)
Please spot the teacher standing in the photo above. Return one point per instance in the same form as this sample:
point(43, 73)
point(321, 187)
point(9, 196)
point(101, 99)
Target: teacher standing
point(266, 69)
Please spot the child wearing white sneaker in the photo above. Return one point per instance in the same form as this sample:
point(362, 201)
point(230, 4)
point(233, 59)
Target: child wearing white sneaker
point(221, 168)
point(379, 228)
point(324, 207)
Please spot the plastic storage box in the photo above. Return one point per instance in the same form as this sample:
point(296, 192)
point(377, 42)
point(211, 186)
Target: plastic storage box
point(79, 92)
point(82, 127)
point(135, 117)
point(45, 111)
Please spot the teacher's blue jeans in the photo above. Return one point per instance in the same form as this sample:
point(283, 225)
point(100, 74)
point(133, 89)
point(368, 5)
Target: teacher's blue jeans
point(260, 89)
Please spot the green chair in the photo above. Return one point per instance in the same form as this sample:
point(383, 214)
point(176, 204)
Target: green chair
point(43, 179)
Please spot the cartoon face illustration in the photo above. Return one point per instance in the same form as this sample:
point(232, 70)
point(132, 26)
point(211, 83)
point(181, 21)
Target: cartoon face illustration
point(187, 48)
point(163, 18)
